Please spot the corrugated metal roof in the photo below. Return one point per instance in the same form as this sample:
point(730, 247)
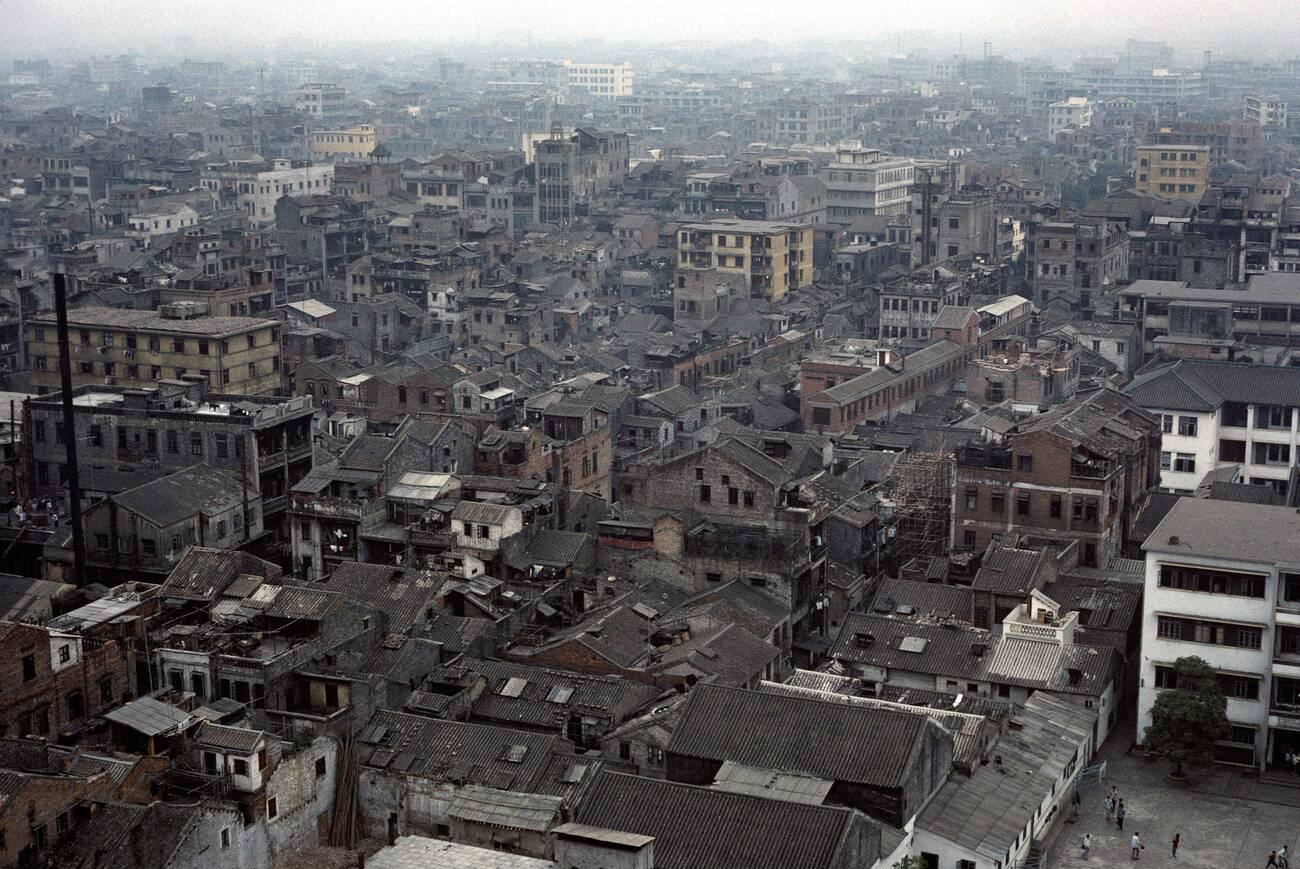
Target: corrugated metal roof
point(510, 809)
point(150, 717)
point(755, 781)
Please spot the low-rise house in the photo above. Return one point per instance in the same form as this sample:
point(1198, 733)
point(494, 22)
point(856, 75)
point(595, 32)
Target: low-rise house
point(1000, 813)
point(144, 531)
point(700, 826)
point(726, 732)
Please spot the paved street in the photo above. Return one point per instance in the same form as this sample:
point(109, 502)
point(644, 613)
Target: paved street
point(1228, 820)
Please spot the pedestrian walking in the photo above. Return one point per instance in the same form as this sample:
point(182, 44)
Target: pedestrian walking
point(1110, 807)
point(1272, 860)
point(1283, 859)
point(1087, 844)
point(1295, 763)
point(1119, 815)
point(1136, 845)
point(1173, 844)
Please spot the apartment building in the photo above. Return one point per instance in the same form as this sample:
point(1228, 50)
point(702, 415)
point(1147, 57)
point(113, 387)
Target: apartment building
point(772, 257)
point(606, 80)
point(321, 100)
point(354, 143)
point(1075, 472)
point(1269, 112)
point(805, 121)
point(1069, 113)
point(118, 347)
point(254, 188)
point(1076, 260)
point(865, 182)
point(1215, 414)
point(127, 436)
point(575, 169)
point(1208, 323)
point(1172, 173)
point(1223, 584)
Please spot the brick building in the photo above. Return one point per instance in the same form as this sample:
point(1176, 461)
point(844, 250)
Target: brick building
point(1074, 473)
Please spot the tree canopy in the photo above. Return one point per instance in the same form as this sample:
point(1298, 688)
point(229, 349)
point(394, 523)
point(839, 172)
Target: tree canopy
point(1188, 719)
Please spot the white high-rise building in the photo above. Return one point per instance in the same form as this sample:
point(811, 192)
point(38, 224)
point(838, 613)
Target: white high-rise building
point(1223, 584)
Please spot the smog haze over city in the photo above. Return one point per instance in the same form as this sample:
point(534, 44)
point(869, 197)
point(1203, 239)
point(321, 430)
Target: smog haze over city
point(707, 434)
point(1018, 28)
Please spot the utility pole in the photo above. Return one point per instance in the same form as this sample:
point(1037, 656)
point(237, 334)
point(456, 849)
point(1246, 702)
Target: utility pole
point(70, 432)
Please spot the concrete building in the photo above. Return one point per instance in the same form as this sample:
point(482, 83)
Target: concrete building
point(1217, 414)
point(1172, 173)
point(1223, 584)
point(1207, 323)
point(354, 143)
point(1269, 112)
point(116, 347)
point(1077, 261)
point(255, 187)
point(322, 100)
point(1070, 113)
point(127, 436)
point(604, 80)
point(772, 257)
point(864, 182)
point(573, 170)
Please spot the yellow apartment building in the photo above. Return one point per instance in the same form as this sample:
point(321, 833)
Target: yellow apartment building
point(136, 349)
point(1172, 171)
point(773, 257)
point(352, 144)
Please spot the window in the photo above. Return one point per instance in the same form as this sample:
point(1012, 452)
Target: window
point(1210, 633)
point(1025, 463)
point(76, 705)
point(1166, 461)
point(101, 542)
point(706, 494)
point(1187, 426)
point(29, 667)
point(1167, 423)
point(225, 838)
point(272, 808)
point(968, 538)
point(1055, 507)
point(320, 767)
point(178, 345)
point(223, 448)
point(1211, 581)
point(173, 442)
point(241, 768)
point(998, 502)
point(196, 444)
point(748, 499)
point(203, 348)
point(106, 690)
point(401, 395)
point(1022, 503)
point(65, 653)
point(1184, 463)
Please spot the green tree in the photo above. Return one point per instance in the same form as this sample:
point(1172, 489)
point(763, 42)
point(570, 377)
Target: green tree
point(1188, 719)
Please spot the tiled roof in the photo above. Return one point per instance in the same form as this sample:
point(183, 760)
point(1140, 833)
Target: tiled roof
point(203, 574)
point(367, 453)
point(795, 734)
point(987, 811)
point(200, 489)
point(932, 599)
point(545, 697)
point(220, 736)
point(405, 595)
point(703, 828)
point(452, 751)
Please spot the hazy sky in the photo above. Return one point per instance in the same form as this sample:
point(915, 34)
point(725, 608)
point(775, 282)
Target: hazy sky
point(31, 27)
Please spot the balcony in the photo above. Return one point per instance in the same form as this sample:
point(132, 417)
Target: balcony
point(274, 503)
